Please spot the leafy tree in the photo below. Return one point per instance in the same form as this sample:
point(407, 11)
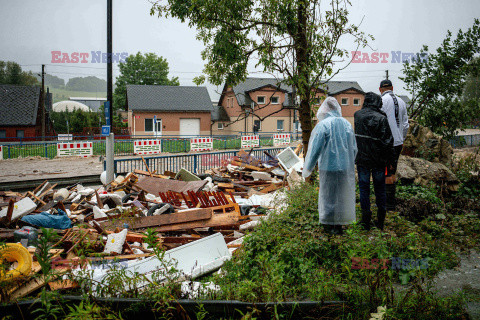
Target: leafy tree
point(471, 91)
point(89, 84)
point(11, 73)
point(147, 69)
point(53, 81)
point(297, 39)
point(438, 82)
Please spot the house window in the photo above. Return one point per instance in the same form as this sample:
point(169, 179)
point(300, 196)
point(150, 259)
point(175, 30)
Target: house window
point(3, 133)
point(220, 125)
point(274, 100)
point(344, 101)
point(20, 133)
point(257, 125)
point(261, 99)
point(279, 125)
point(356, 102)
point(148, 125)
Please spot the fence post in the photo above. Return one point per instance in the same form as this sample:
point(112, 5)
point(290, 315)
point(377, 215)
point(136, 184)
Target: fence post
point(184, 145)
point(9, 152)
point(195, 163)
point(46, 150)
point(225, 143)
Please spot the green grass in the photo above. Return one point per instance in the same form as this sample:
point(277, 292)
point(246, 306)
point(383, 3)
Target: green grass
point(122, 147)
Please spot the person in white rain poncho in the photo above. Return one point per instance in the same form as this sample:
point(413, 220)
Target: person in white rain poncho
point(332, 144)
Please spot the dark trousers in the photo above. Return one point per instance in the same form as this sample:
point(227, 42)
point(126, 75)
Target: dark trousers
point(378, 177)
point(398, 150)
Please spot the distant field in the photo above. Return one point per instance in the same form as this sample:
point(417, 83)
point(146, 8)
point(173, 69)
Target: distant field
point(62, 94)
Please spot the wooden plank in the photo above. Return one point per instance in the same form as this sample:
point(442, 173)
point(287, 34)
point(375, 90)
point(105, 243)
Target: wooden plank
point(145, 173)
point(272, 187)
point(216, 220)
point(62, 284)
point(11, 206)
point(164, 219)
point(148, 169)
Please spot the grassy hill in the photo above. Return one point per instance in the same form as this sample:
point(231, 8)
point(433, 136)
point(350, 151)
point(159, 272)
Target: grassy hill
point(63, 94)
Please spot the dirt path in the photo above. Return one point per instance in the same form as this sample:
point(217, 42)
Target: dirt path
point(465, 277)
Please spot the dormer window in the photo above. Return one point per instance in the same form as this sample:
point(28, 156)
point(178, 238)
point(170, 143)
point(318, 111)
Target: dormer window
point(274, 100)
point(261, 99)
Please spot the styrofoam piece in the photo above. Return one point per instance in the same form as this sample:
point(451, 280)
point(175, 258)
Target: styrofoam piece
point(289, 160)
point(115, 242)
point(20, 209)
point(86, 191)
point(185, 259)
point(249, 225)
point(62, 192)
point(115, 197)
point(98, 213)
point(120, 193)
point(260, 175)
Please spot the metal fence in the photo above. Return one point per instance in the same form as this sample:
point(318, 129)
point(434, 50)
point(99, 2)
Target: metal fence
point(471, 140)
point(196, 163)
point(124, 147)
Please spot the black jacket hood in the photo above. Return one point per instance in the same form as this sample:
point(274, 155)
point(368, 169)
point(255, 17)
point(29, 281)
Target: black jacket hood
point(372, 100)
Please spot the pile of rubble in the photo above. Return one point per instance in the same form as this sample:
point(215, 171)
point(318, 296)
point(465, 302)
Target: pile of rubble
point(200, 220)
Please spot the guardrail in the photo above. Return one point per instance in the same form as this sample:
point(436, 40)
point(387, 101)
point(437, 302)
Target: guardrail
point(125, 147)
point(196, 162)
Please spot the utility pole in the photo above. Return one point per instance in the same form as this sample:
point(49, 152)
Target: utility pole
point(386, 73)
point(110, 140)
point(42, 102)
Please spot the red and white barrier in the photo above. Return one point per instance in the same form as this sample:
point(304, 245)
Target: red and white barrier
point(81, 149)
point(147, 147)
point(281, 139)
point(250, 141)
point(201, 144)
point(1, 152)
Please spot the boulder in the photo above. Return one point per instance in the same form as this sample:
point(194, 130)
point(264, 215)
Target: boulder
point(422, 142)
point(421, 171)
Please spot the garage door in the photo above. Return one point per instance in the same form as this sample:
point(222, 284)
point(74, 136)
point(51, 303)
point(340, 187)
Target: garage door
point(189, 127)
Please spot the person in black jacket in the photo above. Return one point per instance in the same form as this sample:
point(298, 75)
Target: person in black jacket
point(375, 153)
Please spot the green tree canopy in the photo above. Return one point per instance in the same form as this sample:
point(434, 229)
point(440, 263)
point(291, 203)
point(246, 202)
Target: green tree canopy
point(11, 73)
point(53, 81)
point(295, 39)
point(438, 83)
point(89, 84)
point(147, 69)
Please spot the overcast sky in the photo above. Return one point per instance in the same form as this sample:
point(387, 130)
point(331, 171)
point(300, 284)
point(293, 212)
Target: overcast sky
point(32, 29)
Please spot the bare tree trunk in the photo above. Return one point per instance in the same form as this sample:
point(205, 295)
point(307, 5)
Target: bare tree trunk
point(303, 80)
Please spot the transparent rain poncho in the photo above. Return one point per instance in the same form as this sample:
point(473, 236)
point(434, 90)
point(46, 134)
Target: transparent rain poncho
point(332, 144)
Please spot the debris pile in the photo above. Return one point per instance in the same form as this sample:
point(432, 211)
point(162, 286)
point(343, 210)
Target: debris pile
point(199, 220)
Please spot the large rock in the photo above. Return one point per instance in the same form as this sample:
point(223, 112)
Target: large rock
point(422, 142)
point(421, 171)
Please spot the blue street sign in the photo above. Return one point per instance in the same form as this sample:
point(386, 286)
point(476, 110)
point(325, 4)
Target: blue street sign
point(105, 130)
point(106, 107)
